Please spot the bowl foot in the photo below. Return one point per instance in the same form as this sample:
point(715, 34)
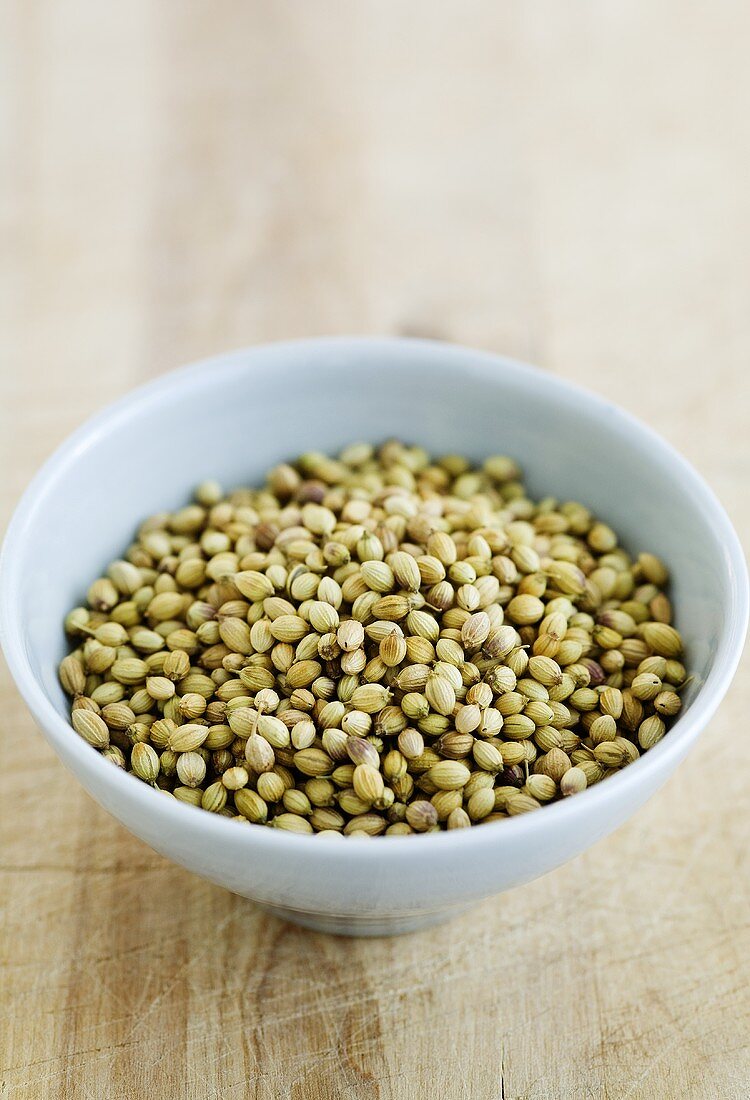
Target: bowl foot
point(396, 924)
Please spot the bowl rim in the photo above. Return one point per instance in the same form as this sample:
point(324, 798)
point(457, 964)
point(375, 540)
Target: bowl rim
point(169, 811)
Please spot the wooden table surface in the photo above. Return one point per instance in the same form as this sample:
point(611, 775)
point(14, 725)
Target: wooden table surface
point(566, 183)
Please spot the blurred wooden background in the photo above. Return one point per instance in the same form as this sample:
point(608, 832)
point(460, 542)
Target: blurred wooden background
point(566, 183)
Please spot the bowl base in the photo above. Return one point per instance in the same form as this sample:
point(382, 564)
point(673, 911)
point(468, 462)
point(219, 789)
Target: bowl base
point(397, 924)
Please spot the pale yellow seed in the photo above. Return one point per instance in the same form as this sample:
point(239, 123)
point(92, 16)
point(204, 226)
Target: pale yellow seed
point(573, 782)
point(487, 756)
point(481, 804)
point(475, 631)
point(392, 650)
point(370, 698)
point(274, 731)
point(541, 787)
point(235, 778)
point(545, 671)
point(289, 628)
point(449, 775)
point(160, 688)
point(145, 762)
point(91, 727)
point(313, 762)
point(271, 786)
point(458, 819)
point(323, 617)
point(191, 769)
point(259, 754)
point(406, 571)
point(440, 694)
point(187, 738)
point(663, 639)
point(251, 805)
point(525, 609)
point(368, 783)
point(292, 823)
point(350, 635)
point(519, 803)
point(650, 732)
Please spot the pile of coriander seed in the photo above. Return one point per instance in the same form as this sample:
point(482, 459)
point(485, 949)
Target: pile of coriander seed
point(379, 643)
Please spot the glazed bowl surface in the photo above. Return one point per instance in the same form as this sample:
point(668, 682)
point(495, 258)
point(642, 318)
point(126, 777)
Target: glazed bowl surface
point(234, 416)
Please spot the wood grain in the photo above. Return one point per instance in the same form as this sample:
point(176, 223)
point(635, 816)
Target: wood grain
point(564, 183)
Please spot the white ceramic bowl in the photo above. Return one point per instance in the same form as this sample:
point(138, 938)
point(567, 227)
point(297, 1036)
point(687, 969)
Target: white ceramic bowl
point(234, 416)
